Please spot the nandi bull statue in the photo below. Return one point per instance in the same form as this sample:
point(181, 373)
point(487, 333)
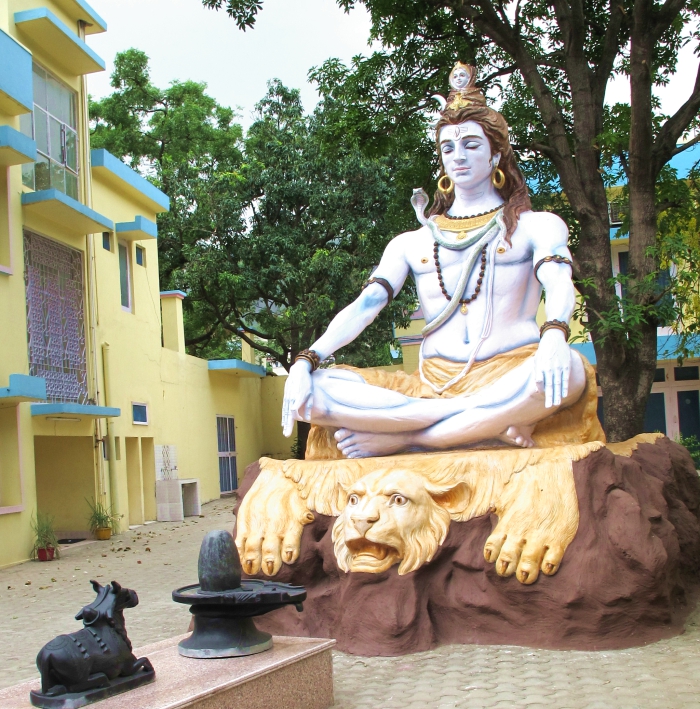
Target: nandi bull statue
point(95, 662)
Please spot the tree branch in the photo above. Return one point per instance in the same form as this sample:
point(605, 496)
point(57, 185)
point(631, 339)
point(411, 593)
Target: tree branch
point(665, 144)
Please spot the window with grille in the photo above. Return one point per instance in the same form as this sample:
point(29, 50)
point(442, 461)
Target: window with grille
point(615, 212)
point(52, 124)
point(56, 318)
point(226, 434)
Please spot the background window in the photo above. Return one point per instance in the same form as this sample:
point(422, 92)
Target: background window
point(140, 256)
point(52, 124)
point(139, 414)
point(124, 275)
point(107, 240)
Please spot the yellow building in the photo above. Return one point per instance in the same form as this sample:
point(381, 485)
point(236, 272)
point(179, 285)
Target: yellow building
point(98, 399)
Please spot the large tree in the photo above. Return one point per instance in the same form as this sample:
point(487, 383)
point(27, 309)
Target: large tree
point(550, 64)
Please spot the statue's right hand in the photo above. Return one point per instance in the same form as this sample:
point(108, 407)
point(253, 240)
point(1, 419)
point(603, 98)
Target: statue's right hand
point(298, 396)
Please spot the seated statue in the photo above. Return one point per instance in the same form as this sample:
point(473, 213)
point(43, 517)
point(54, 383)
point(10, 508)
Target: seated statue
point(387, 452)
point(480, 262)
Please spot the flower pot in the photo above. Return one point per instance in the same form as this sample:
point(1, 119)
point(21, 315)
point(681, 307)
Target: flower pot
point(45, 554)
point(103, 533)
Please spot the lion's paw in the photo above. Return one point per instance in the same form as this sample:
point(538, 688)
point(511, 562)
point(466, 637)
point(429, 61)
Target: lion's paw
point(525, 557)
point(538, 519)
point(270, 523)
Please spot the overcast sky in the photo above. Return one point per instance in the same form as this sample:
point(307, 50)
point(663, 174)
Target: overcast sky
point(186, 41)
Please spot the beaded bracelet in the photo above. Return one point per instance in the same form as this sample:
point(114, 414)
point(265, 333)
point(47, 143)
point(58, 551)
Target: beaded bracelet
point(311, 356)
point(556, 324)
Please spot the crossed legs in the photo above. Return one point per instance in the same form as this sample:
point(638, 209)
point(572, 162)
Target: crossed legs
point(373, 421)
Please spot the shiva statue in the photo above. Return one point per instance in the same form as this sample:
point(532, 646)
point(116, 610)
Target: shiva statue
point(480, 262)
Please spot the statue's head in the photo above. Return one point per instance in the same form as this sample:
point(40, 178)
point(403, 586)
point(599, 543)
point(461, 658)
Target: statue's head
point(466, 116)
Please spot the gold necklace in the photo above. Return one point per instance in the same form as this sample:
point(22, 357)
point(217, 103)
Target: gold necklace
point(463, 225)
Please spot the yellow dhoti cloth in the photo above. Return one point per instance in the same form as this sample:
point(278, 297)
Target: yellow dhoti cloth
point(576, 424)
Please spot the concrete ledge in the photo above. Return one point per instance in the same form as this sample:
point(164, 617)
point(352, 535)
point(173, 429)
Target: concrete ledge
point(237, 367)
point(296, 674)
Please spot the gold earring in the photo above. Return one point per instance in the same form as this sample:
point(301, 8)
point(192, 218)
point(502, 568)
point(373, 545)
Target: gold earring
point(442, 188)
point(498, 178)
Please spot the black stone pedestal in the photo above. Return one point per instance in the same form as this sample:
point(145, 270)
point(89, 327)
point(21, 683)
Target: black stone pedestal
point(74, 700)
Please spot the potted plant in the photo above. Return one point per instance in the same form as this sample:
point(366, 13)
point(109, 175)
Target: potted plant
point(45, 542)
point(102, 521)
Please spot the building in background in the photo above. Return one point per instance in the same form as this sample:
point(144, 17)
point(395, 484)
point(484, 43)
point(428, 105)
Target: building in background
point(98, 398)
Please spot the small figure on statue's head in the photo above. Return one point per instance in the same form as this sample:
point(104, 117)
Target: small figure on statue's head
point(460, 76)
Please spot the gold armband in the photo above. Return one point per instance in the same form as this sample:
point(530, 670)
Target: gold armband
point(552, 259)
point(382, 282)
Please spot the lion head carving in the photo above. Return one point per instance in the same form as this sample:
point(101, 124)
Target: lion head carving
point(394, 516)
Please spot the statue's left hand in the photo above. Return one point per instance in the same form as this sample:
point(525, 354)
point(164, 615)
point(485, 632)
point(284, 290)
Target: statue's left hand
point(298, 396)
point(552, 367)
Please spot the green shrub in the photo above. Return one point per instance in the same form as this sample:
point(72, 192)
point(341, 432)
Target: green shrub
point(693, 446)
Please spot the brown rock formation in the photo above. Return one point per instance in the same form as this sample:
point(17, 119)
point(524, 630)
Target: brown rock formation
point(628, 578)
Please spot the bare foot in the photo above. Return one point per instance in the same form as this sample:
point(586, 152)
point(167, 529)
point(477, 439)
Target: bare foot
point(360, 444)
point(518, 436)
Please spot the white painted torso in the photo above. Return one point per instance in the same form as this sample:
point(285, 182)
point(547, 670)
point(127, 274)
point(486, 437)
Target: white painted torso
point(516, 291)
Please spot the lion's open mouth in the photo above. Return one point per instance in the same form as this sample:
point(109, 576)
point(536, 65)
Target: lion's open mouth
point(364, 547)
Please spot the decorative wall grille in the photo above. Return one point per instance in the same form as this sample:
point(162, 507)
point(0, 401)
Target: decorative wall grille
point(166, 463)
point(226, 435)
point(56, 318)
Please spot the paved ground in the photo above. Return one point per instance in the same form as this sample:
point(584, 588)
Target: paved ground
point(38, 601)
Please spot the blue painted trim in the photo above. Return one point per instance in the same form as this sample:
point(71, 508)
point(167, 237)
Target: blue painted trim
point(229, 365)
point(16, 78)
point(75, 410)
point(25, 387)
point(586, 349)
point(41, 13)
point(665, 347)
point(105, 159)
point(180, 293)
point(92, 16)
point(146, 226)
point(13, 139)
point(54, 194)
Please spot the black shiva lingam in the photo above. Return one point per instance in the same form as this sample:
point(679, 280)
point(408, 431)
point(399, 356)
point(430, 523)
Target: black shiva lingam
point(95, 662)
point(223, 607)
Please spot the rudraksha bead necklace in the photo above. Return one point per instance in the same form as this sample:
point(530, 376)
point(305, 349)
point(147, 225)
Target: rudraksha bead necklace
point(464, 302)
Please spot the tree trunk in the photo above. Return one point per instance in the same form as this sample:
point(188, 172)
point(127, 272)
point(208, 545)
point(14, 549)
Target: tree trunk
point(303, 428)
point(626, 383)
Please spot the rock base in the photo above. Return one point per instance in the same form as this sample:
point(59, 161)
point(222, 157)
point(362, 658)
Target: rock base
point(629, 577)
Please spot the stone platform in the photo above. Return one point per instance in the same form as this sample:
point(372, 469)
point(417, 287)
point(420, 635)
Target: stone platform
point(297, 673)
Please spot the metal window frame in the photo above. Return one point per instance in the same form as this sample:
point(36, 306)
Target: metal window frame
point(130, 308)
point(230, 453)
point(145, 406)
point(63, 125)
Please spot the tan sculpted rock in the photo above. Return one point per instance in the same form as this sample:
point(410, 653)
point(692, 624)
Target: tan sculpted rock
point(398, 512)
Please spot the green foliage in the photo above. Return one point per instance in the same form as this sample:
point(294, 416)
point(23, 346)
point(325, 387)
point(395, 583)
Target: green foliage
point(102, 517)
point(270, 234)
point(693, 446)
point(44, 534)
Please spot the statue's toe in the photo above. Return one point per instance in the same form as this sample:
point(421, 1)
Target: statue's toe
point(508, 559)
point(493, 545)
point(552, 559)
